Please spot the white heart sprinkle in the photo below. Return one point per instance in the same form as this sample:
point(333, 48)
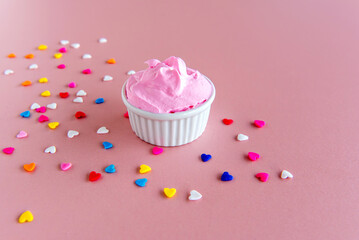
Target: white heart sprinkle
point(102, 130)
point(8, 72)
point(34, 106)
point(131, 72)
point(33, 66)
point(51, 149)
point(52, 106)
point(75, 45)
point(242, 137)
point(64, 42)
point(78, 100)
point(86, 56)
point(72, 133)
point(194, 195)
point(102, 40)
point(107, 78)
point(81, 93)
point(285, 174)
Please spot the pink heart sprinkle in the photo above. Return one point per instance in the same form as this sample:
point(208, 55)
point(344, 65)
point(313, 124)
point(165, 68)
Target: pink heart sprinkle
point(259, 123)
point(21, 134)
point(72, 85)
point(62, 50)
point(263, 177)
point(8, 150)
point(43, 118)
point(157, 150)
point(41, 109)
point(65, 166)
point(253, 156)
point(87, 71)
point(61, 66)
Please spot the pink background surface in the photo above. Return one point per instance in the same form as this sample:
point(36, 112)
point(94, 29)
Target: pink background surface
point(293, 64)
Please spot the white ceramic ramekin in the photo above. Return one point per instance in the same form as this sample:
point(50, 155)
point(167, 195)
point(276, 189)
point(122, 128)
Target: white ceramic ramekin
point(169, 129)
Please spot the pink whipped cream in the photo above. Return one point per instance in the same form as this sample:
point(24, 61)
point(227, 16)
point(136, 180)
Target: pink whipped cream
point(167, 87)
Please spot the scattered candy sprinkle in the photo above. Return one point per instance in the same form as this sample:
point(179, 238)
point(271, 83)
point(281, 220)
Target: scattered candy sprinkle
point(65, 166)
point(227, 121)
point(41, 109)
point(78, 100)
point(206, 157)
point(126, 115)
point(58, 55)
point(86, 56)
point(51, 149)
point(64, 94)
point(169, 192)
point(43, 118)
point(94, 176)
point(29, 167)
point(21, 134)
point(107, 145)
point(87, 71)
point(259, 123)
point(26, 83)
point(8, 150)
point(11, 55)
point(145, 169)
point(226, 177)
point(157, 150)
point(8, 72)
point(263, 177)
point(72, 133)
point(80, 115)
point(63, 50)
point(26, 217)
point(141, 182)
point(194, 195)
point(29, 56)
point(102, 130)
point(46, 93)
point(81, 93)
point(75, 45)
point(42, 47)
point(99, 100)
point(102, 40)
point(53, 125)
point(52, 106)
point(241, 137)
point(34, 106)
point(72, 85)
point(253, 156)
point(285, 174)
point(64, 42)
point(111, 61)
point(61, 66)
point(43, 80)
point(107, 78)
point(110, 169)
point(25, 114)
point(131, 72)
point(33, 66)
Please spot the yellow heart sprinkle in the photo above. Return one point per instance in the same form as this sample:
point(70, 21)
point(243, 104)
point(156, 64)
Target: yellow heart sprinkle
point(53, 125)
point(42, 47)
point(43, 80)
point(58, 55)
point(144, 168)
point(46, 94)
point(169, 192)
point(26, 217)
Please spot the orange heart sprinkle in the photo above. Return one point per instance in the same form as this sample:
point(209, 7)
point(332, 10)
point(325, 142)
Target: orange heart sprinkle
point(29, 56)
point(11, 55)
point(111, 61)
point(29, 167)
point(26, 83)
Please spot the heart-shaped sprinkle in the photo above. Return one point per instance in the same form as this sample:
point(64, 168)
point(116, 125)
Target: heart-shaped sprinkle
point(43, 80)
point(64, 42)
point(131, 72)
point(43, 118)
point(21, 134)
point(226, 177)
point(46, 93)
point(259, 123)
point(285, 174)
point(64, 94)
point(111, 61)
point(8, 72)
point(72, 133)
point(52, 106)
point(157, 150)
point(263, 177)
point(81, 93)
point(72, 85)
point(33, 66)
point(241, 137)
point(11, 55)
point(86, 56)
point(102, 130)
point(169, 192)
point(87, 71)
point(194, 195)
point(75, 45)
point(126, 115)
point(227, 121)
point(80, 115)
point(205, 157)
point(51, 149)
point(58, 55)
point(61, 66)
point(41, 109)
point(29, 167)
point(141, 182)
point(94, 176)
point(53, 125)
point(110, 169)
point(144, 169)
point(99, 100)
point(102, 40)
point(65, 166)
point(34, 106)
point(26, 217)
point(107, 145)
point(25, 114)
point(107, 78)
point(26, 83)
point(253, 156)
point(29, 56)
point(62, 50)
point(8, 150)
point(78, 100)
point(42, 47)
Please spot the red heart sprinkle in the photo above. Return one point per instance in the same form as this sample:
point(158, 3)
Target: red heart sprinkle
point(43, 118)
point(94, 176)
point(80, 115)
point(64, 94)
point(259, 123)
point(41, 109)
point(87, 71)
point(263, 177)
point(227, 121)
point(125, 115)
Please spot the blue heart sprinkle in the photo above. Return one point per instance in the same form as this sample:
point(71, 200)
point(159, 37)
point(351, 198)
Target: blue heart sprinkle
point(99, 100)
point(107, 145)
point(141, 182)
point(206, 157)
point(25, 114)
point(226, 177)
point(110, 169)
